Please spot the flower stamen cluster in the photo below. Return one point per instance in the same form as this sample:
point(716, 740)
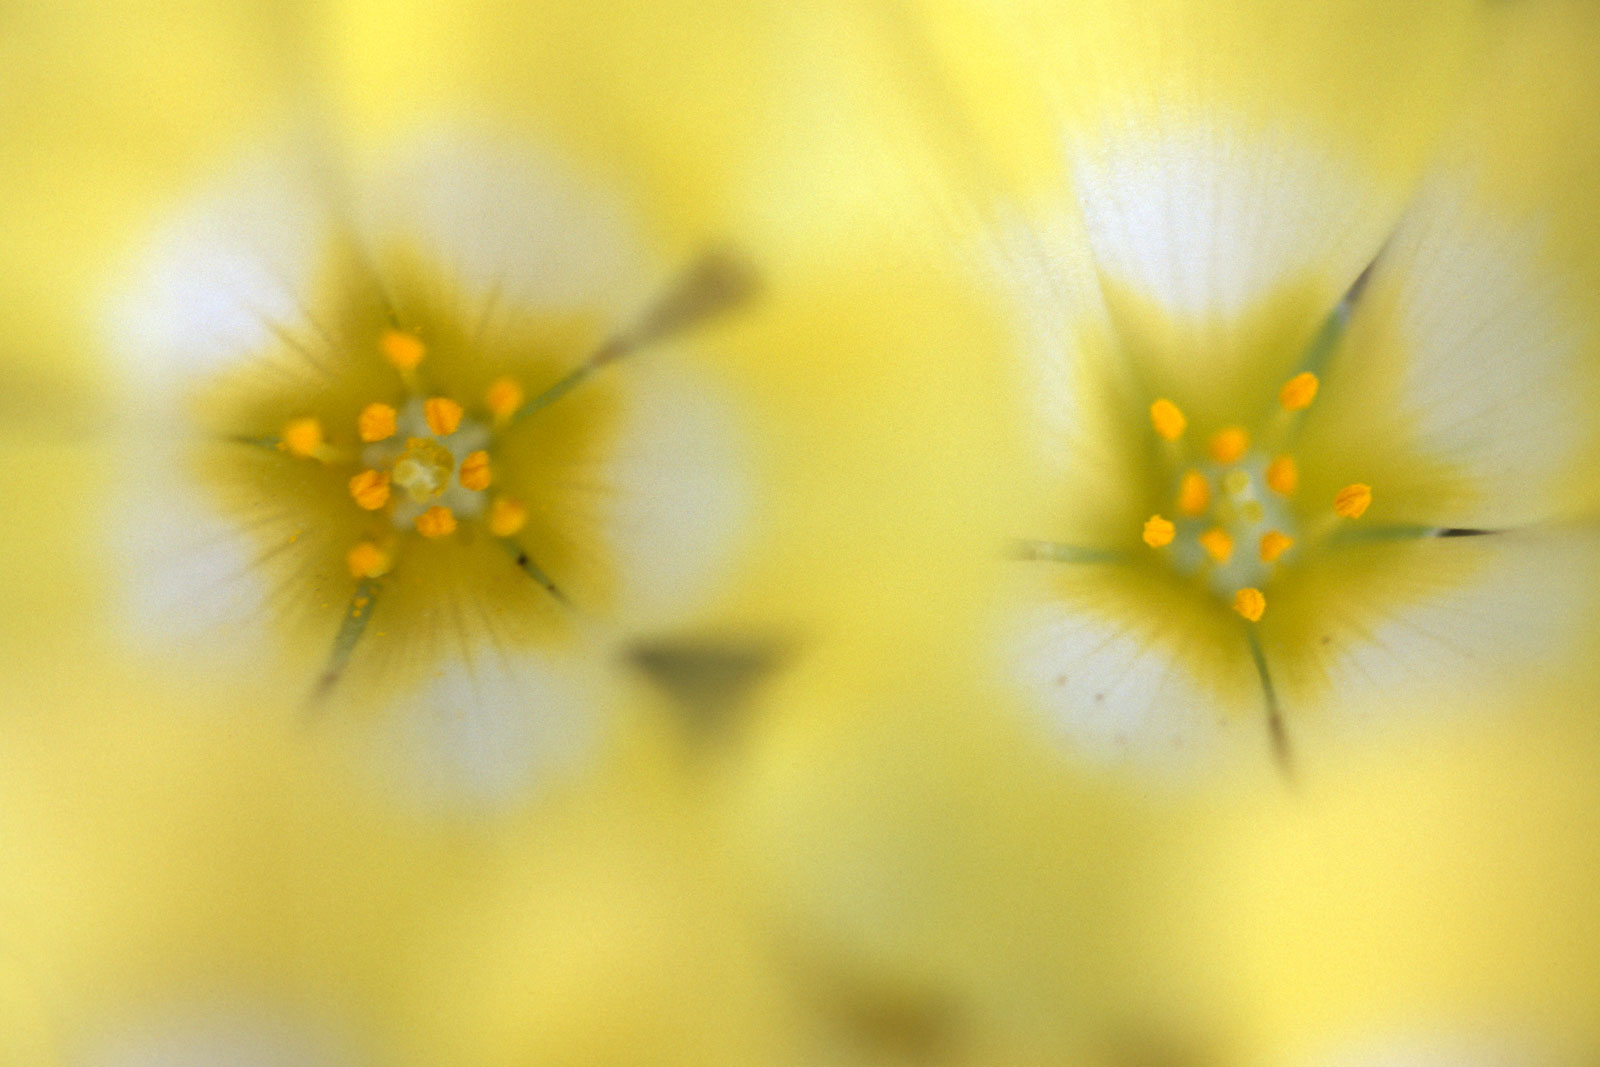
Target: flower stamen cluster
point(1240, 495)
point(422, 464)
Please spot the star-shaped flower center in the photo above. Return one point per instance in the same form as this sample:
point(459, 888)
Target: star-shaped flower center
point(1235, 508)
point(424, 462)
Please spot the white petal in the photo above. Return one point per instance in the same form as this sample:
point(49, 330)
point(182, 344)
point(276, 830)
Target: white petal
point(1491, 349)
point(682, 490)
point(1112, 694)
point(220, 284)
point(491, 733)
point(1465, 1046)
point(209, 288)
point(510, 224)
point(1492, 612)
point(1046, 272)
point(1210, 221)
point(190, 586)
point(240, 1036)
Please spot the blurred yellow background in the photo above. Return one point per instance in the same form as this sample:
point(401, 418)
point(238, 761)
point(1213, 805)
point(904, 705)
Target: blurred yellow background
point(880, 858)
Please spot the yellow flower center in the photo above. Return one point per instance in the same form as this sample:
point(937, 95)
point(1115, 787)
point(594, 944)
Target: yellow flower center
point(1236, 522)
point(415, 457)
point(424, 464)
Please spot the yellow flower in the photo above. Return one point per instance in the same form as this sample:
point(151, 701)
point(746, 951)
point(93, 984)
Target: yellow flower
point(1325, 305)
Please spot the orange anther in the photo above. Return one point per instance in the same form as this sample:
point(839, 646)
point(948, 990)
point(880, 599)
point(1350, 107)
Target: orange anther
point(1283, 475)
point(1168, 421)
point(403, 350)
point(367, 560)
point(475, 473)
point(443, 415)
point(1230, 444)
point(1250, 603)
point(1274, 544)
point(1298, 392)
point(370, 489)
point(303, 437)
point(437, 521)
point(504, 398)
point(1158, 532)
point(507, 516)
point(376, 423)
point(1352, 501)
point(1217, 543)
point(1194, 494)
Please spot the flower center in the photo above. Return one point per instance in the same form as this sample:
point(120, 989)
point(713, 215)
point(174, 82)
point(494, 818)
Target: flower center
point(1235, 520)
point(407, 467)
point(423, 469)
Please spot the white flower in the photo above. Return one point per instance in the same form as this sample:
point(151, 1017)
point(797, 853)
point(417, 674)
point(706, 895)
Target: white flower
point(425, 439)
point(1300, 451)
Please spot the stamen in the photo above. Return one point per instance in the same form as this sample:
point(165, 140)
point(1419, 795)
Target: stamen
point(443, 415)
point(1168, 421)
point(376, 423)
point(404, 351)
point(1250, 603)
point(504, 399)
point(367, 560)
point(1158, 532)
point(1298, 392)
point(303, 438)
point(1230, 444)
point(475, 473)
point(1283, 475)
point(1217, 543)
point(713, 284)
point(437, 521)
point(370, 489)
point(1194, 494)
point(1352, 501)
point(507, 516)
point(1274, 544)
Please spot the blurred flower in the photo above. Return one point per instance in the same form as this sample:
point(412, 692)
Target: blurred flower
point(1312, 356)
point(296, 224)
point(422, 435)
